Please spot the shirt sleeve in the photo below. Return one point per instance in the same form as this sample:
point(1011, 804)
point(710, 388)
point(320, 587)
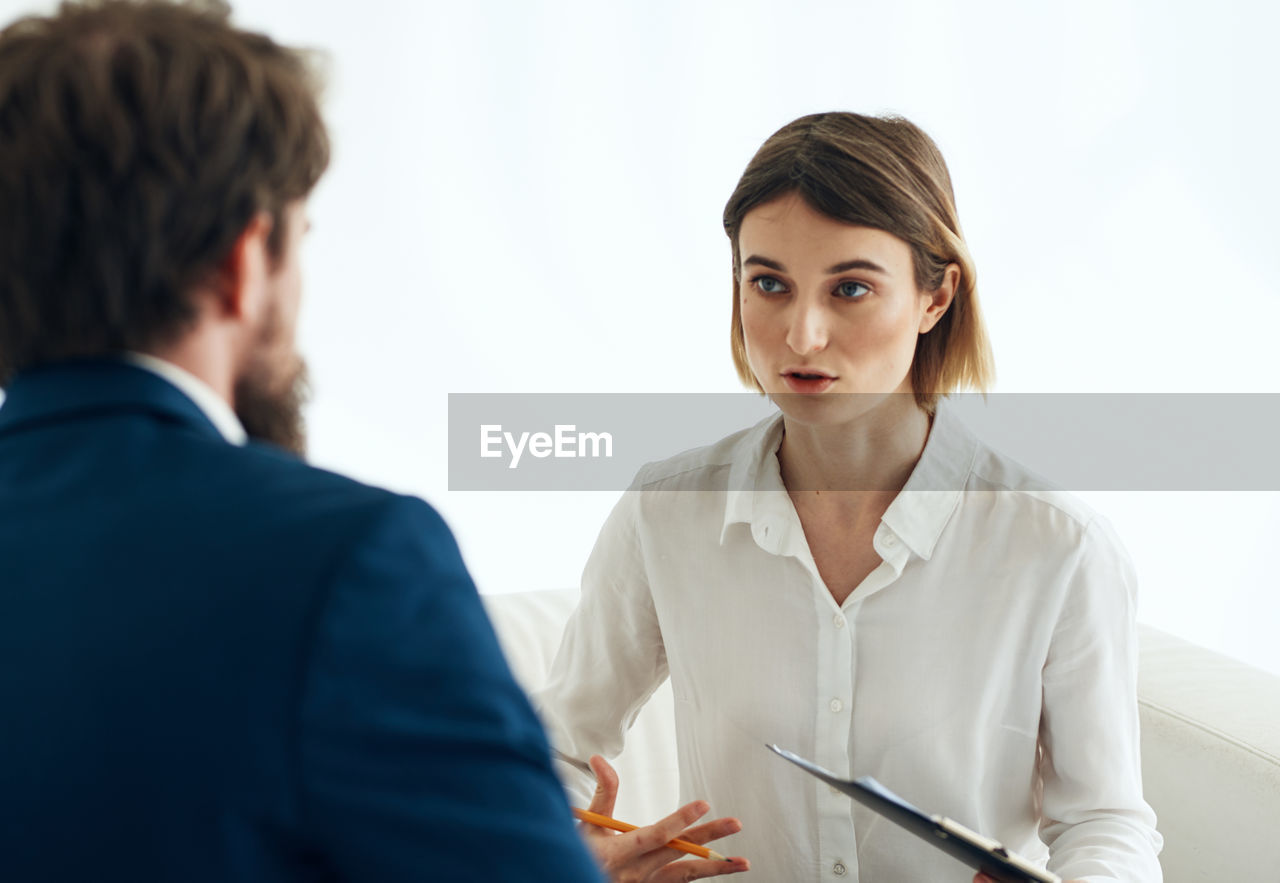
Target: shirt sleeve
point(420, 757)
point(611, 658)
point(1095, 821)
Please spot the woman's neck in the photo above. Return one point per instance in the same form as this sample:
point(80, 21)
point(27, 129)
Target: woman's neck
point(875, 452)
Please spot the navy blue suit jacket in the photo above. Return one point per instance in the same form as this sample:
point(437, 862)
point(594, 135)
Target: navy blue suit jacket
point(219, 663)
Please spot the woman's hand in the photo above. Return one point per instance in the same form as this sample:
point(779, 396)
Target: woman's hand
point(642, 854)
point(983, 878)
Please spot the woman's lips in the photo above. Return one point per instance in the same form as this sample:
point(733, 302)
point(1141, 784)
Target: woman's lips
point(806, 382)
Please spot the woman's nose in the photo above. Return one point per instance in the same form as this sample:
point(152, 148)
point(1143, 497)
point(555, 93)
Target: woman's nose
point(807, 328)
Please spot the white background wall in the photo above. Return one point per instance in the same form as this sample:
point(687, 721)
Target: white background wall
point(526, 197)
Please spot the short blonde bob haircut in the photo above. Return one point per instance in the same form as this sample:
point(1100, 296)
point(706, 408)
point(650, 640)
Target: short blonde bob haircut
point(881, 172)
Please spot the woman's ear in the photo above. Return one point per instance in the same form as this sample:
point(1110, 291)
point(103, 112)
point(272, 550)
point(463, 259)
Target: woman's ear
point(937, 302)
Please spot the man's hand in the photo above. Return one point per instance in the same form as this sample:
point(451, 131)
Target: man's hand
point(642, 854)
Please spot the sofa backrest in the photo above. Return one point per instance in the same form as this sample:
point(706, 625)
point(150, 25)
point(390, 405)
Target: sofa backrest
point(1210, 744)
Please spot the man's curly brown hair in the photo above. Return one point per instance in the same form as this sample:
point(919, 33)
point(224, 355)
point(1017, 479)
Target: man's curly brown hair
point(138, 138)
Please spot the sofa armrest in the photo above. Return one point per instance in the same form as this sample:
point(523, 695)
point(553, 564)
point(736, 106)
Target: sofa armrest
point(529, 627)
point(1210, 760)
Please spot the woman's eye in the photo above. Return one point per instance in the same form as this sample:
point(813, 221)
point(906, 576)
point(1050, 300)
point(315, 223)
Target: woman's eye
point(851, 290)
point(768, 285)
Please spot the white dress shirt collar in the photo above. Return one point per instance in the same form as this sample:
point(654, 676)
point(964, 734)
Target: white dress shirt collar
point(209, 402)
point(930, 496)
point(753, 473)
point(756, 494)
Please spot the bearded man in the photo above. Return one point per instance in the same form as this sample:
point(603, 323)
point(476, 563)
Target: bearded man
point(216, 662)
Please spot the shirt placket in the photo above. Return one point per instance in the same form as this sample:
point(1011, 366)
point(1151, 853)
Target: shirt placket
point(837, 674)
point(836, 841)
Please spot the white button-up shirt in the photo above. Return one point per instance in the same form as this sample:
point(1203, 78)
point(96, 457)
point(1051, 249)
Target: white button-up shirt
point(985, 671)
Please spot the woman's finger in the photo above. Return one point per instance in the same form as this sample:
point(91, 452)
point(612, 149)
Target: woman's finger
point(644, 851)
point(663, 831)
point(696, 869)
point(606, 795)
point(713, 830)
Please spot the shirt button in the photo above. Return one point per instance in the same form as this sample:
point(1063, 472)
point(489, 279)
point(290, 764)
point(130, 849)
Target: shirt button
point(890, 542)
point(836, 705)
point(838, 620)
point(839, 869)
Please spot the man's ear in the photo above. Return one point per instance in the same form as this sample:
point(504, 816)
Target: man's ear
point(939, 300)
point(240, 279)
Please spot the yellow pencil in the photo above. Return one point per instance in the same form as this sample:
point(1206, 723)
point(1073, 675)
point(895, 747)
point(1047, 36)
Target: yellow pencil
point(594, 818)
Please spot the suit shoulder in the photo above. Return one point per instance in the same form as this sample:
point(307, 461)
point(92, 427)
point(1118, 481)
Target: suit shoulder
point(275, 483)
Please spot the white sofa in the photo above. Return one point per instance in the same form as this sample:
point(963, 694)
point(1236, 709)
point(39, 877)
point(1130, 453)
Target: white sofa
point(1210, 744)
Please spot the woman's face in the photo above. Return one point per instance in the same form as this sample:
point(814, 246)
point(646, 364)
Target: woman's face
point(829, 307)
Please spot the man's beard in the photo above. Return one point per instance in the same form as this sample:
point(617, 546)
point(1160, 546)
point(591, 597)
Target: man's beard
point(271, 409)
point(269, 402)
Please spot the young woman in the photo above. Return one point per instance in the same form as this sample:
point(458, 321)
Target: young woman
point(858, 578)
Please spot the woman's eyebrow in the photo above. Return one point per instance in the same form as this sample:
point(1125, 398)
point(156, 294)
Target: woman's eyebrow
point(764, 262)
point(843, 266)
point(857, 264)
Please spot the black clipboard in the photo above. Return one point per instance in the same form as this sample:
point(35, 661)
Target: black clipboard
point(978, 852)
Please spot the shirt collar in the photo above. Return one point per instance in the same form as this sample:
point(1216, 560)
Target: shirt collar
point(209, 402)
point(926, 503)
point(749, 471)
point(917, 514)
